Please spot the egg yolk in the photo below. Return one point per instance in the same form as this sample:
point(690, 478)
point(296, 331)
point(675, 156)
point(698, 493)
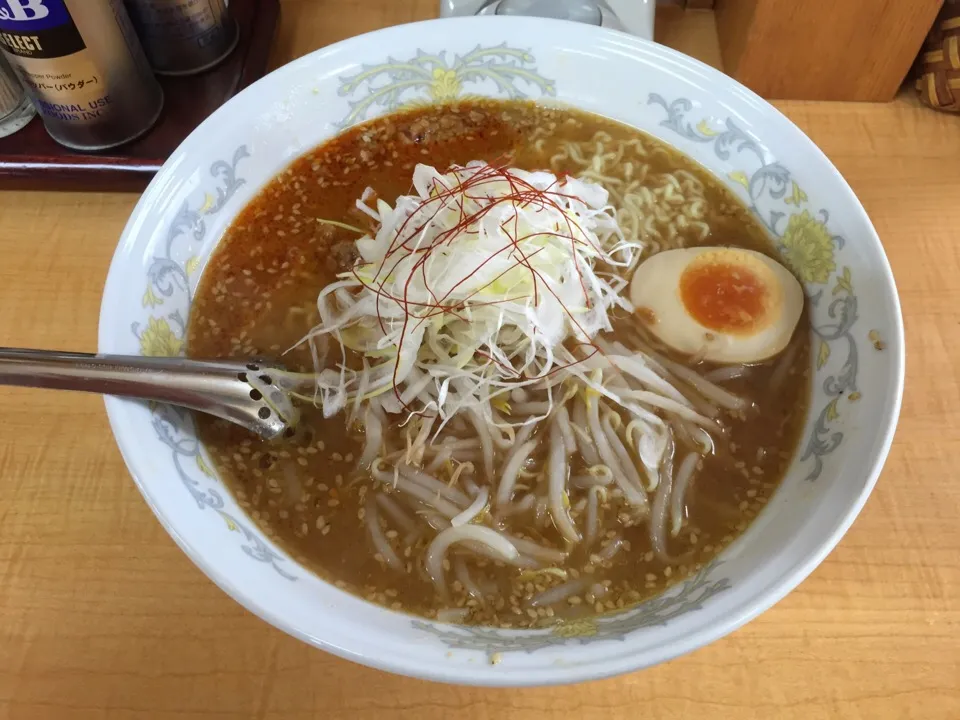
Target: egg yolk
point(725, 297)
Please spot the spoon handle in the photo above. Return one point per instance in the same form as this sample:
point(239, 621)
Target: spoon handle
point(242, 393)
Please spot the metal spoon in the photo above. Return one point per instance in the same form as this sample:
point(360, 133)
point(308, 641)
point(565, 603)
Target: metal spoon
point(246, 393)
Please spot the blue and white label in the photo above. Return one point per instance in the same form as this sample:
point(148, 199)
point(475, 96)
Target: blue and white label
point(32, 15)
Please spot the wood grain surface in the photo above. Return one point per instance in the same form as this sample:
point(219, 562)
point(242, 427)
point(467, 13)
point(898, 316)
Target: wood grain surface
point(103, 618)
point(823, 49)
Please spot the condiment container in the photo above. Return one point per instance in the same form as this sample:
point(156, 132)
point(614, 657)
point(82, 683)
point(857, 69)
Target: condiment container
point(184, 37)
point(84, 68)
point(16, 110)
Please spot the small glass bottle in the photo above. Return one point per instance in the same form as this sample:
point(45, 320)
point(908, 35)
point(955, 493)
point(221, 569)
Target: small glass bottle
point(16, 110)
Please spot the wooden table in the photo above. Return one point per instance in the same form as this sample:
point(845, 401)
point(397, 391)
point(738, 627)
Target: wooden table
point(102, 617)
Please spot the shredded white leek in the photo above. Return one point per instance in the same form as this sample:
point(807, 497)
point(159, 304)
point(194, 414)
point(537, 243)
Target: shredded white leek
point(475, 285)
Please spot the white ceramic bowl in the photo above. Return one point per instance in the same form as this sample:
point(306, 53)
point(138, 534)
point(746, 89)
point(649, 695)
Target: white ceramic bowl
point(817, 222)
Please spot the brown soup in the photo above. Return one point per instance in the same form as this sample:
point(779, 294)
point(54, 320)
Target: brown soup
point(258, 297)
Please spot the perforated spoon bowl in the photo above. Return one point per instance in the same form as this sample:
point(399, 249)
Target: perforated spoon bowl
point(248, 393)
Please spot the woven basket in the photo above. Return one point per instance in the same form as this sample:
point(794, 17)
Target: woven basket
point(939, 64)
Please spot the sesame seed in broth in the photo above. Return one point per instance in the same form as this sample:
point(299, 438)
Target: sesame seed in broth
point(258, 296)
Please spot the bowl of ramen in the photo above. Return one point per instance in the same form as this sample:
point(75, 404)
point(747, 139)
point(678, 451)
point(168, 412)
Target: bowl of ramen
point(595, 355)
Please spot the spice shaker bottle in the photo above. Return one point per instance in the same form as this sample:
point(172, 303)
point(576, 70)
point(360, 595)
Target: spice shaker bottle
point(83, 66)
point(16, 110)
point(184, 37)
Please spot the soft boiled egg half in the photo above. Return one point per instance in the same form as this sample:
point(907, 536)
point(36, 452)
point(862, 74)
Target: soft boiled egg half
point(727, 305)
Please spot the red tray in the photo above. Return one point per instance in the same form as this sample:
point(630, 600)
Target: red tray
point(30, 159)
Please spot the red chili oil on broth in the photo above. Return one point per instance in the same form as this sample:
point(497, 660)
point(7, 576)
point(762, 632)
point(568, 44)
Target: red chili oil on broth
point(258, 296)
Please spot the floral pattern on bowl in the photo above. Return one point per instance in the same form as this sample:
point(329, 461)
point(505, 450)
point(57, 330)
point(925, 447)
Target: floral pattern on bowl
point(218, 169)
point(688, 596)
point(806, 245)
point(500, 71)
point(167, 299)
